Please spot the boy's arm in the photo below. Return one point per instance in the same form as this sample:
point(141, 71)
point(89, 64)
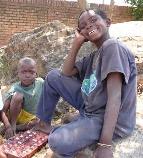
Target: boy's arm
point(69, 68)
point(114, 86)
point(3, 116)
point(8, 129)
point(5, 120)
point(6, 105)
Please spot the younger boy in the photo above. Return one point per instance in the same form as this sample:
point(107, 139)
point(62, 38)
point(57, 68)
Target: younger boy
point(21, 100)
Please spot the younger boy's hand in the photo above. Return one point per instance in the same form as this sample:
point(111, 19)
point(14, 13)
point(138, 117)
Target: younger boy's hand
point(9, 132)
point(102, 152)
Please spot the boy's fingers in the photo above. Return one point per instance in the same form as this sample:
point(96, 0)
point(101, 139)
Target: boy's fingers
point(78, 30)
point(9, 133)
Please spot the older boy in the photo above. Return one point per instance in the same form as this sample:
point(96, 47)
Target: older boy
point(21, 100)
point(104, 91)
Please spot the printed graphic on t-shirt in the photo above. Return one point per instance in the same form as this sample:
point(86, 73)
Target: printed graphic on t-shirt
point(89, 84)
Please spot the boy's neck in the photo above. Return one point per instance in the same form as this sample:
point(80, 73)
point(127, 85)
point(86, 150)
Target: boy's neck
point(102, 40)
point(23, 85)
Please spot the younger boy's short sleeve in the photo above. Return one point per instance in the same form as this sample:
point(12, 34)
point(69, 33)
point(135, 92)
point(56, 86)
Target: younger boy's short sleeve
point(10, 93)
point(115, 59)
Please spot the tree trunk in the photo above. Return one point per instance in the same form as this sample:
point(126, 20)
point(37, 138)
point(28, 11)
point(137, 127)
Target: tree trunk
point(112, 2)
point(82, 4)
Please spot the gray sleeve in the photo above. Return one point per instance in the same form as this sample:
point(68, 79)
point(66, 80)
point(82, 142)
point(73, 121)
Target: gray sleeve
point(79, 65)
point(115, 59)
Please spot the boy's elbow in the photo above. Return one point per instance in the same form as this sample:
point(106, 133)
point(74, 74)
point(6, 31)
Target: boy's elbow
point(69, 73)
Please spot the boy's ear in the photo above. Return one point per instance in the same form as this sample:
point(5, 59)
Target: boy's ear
point(78, 30)
point(108, 22)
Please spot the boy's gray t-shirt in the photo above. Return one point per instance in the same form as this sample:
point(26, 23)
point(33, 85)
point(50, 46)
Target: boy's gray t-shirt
point(113, 56)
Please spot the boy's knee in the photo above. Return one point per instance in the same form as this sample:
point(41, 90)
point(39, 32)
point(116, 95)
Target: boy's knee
point(53, 142)
point(53, 75)
point(56, 144)
point(59, 145)
point(17, 97)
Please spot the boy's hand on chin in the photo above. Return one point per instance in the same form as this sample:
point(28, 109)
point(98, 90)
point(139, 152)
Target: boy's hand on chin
point(79, 38)
point(102, 152)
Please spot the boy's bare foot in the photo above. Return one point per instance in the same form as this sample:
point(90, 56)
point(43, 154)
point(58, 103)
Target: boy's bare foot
point(27, 126)
point(43, 127)
point(21, 127)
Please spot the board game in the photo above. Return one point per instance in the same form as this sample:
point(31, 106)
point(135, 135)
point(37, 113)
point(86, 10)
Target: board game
point(24, 145)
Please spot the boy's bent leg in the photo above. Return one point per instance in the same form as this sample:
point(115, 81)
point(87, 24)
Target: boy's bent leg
point(57, 85)
point(15, 108)
point(70, 138)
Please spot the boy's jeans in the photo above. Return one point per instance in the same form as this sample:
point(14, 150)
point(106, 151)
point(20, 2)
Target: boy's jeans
point(70, 138)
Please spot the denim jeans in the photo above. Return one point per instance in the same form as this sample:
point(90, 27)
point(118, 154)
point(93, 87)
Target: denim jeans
point(57, 85)
point(72, 137)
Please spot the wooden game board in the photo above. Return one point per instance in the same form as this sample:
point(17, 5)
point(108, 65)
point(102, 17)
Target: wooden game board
point(25, 144)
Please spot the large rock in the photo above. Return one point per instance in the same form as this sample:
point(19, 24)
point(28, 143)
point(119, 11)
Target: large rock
point(48, 45)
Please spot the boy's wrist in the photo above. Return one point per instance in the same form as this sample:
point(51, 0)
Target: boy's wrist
point(105, 141)
point(104, 145)
point(75, 48)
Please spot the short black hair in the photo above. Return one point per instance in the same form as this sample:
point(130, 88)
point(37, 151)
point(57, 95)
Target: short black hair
point(26, 60)
point(100, 12)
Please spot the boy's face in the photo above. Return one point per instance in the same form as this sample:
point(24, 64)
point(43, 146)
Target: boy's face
point(92, 26)
point(27, 74)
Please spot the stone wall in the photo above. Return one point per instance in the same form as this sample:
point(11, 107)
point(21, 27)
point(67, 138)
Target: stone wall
point(23, 15)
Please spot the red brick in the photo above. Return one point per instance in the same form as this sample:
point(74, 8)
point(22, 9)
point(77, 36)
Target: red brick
point(24, 13)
